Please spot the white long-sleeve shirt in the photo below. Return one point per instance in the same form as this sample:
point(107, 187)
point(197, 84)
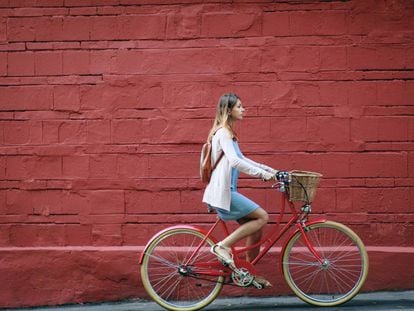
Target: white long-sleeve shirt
point(217, 192)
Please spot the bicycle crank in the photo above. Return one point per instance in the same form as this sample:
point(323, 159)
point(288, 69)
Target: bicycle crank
point(257, 284)
point(243, 274)
point(242, 277)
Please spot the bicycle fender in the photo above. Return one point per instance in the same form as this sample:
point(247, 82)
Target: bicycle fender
point(172, 228)
point(308, 223)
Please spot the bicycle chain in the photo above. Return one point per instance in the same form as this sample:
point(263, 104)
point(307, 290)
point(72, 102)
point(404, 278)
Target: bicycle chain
point(212, 281)
point(231, 283)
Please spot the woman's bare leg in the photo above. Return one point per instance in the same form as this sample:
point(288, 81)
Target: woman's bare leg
point(250, 227)
point(257, 220)
point(252, 239)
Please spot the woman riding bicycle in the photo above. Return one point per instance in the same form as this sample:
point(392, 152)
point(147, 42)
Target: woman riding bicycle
point(323, 262)
point(221, 192)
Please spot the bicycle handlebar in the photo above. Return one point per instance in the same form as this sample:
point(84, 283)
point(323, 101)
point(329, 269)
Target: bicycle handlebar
point(283, 176)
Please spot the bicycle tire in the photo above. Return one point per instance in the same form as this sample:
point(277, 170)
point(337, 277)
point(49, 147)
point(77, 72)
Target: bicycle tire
point(341, 276)
point(160, 271)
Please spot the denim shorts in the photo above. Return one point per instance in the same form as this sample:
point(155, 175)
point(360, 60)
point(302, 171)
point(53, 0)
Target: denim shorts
point(240, 207)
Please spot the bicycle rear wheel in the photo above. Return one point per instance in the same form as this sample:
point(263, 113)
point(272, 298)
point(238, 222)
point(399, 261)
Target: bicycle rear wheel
point(171, 282)
point(343, 272)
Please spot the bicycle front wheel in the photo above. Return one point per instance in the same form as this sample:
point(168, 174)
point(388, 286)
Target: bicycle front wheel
point(172, 281)
point(341, 274)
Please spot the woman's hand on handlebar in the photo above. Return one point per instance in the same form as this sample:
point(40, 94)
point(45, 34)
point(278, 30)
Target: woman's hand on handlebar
point(272, 174)
point(267, 176)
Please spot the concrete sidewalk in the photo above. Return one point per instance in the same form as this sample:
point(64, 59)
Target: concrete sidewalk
point(364, 301)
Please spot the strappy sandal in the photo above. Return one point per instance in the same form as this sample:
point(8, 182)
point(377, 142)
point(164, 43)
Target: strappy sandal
point(262, 281)
point(228, 261)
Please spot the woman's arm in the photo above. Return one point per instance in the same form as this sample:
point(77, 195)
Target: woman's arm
point(262, 166)
point(240, 163)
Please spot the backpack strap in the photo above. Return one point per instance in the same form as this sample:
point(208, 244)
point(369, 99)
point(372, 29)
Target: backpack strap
point(218, 160)
point(211, 139)
point(222, 153)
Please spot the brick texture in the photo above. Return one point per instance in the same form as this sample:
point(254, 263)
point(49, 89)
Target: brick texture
point(104, 105)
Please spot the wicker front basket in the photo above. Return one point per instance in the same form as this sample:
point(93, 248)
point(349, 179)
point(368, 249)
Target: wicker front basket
point(303, 186)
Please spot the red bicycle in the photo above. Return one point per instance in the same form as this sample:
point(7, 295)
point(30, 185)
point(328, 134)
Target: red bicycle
point(324, 262)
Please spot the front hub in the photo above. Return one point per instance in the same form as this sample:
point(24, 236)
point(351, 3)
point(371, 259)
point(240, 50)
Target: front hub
point(183, 270)
point(326, 264)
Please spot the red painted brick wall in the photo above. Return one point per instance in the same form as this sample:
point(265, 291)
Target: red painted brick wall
point(104, 105)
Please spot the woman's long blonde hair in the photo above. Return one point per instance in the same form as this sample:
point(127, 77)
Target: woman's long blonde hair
point(225, 105)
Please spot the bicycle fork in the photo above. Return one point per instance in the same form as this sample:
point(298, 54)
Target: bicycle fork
point(303, 229)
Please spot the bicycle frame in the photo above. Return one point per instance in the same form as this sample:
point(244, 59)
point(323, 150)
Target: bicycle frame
point(269, 240)
point(323, 262)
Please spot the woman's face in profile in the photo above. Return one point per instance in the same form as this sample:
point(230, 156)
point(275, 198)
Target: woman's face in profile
point(237, 112)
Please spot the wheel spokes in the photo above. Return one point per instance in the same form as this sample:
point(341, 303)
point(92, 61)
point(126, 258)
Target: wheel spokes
point(338, 275)
point(172, 280)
